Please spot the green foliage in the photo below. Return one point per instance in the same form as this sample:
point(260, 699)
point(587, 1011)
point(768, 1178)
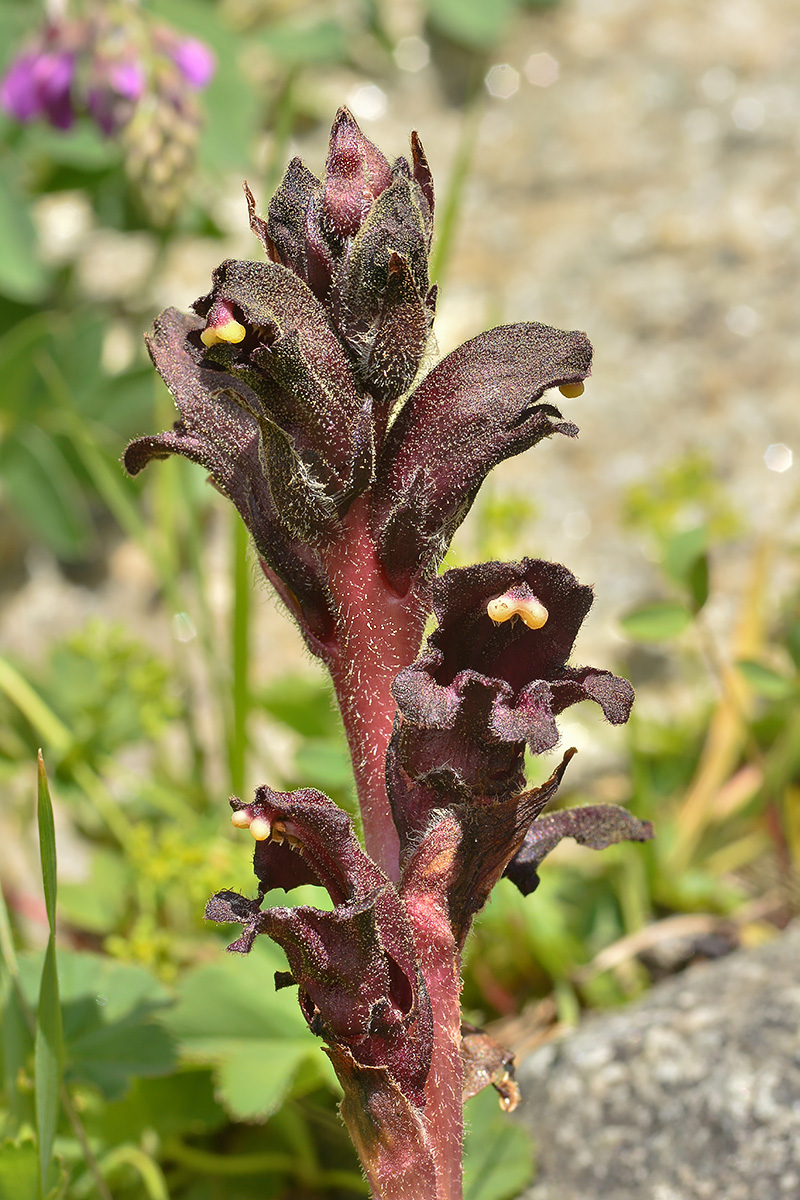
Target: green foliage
point(498, 1155)
point(48, 1043)
point(19, 1171)
point(258, 1051)
point(656, 622)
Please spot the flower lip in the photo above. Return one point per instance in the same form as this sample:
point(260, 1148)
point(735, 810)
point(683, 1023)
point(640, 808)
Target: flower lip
point(548, 599)
point(304, 837)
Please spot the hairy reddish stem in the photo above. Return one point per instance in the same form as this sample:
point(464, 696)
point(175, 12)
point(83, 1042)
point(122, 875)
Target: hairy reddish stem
point(443, 1118)
point(377, 634)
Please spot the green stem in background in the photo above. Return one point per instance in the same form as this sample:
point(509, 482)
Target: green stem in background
point(281, 123)
point(240, 646)
point(9, 956)
point(150, 1173)
point(449, 210)
point(206, 1162)
point(60, 740)
point(48, 1052)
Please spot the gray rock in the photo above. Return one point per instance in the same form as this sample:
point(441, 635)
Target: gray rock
point(692, 1094)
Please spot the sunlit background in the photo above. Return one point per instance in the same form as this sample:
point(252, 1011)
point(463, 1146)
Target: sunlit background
point(611, 165)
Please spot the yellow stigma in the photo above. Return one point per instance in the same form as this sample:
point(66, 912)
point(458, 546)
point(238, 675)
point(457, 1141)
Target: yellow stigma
point(503, 608)
point(571, 390)
point(260, 829)
point(230, 331)
point(240, 819)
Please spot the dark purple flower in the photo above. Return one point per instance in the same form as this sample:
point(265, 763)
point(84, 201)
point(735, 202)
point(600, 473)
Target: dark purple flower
point(217, 430)
point(596, 826)
point(356, 967)
point(54, 73)
point(491, 680)
point(195, 61)
point(360, 239)
point(478, 406)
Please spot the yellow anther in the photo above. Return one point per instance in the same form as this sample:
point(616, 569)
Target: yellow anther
point(260, 829)
point(240, 819)
point(530, 611)
point(571, 390)
point(229, 331)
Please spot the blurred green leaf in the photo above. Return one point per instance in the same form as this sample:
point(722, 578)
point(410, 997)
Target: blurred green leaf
point(686, 562)
point(19, 1174)
point(22, 275)
point(41, 486)
point(298, 45)
point(498, 1155)
point(302, 704)
point(97, 903)
point(82, 146)
point(697, 581)
point(176, 1105)
point(764, 681)
point(113, 689)
point(110, 1031)
point(682, 549)
point(48, 1043)
point(656, 622)
point(230, 1015)
point(474, 23)
point(325, 763)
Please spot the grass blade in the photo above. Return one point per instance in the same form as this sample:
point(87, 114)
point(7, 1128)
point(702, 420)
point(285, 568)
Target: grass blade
point(48, 1048)
point(240, 644)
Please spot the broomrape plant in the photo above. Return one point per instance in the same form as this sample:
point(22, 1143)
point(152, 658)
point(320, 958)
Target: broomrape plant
point(292, 379)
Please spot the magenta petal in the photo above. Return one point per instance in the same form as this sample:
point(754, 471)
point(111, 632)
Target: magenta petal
point(195, 61)
point(127, 79)
point(19, 93)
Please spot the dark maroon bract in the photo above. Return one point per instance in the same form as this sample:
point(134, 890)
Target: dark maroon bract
point(294, 381)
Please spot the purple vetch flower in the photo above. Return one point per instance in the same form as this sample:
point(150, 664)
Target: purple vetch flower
point(195, 61)
point(116, 87)
point(39, 84)
point(127, 78)
point(19, 93)
point(54, 73)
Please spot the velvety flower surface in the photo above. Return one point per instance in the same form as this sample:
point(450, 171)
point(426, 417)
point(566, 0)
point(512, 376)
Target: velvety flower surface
point(478, 406)
point(360, 239)
point(485, 688)
point(356, 968)
point(596, 826)
point(216, 431)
